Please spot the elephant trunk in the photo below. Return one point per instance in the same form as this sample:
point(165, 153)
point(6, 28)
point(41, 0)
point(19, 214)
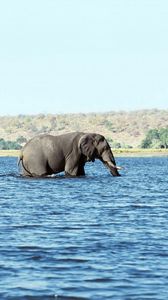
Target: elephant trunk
point(113, 168)
point(109, 162)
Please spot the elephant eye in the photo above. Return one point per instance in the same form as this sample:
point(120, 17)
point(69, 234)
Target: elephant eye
point(105, 148)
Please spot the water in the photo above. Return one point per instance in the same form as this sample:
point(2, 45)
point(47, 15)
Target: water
point(96, 237)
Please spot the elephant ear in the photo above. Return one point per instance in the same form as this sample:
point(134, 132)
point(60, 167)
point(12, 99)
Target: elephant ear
point(87, 146)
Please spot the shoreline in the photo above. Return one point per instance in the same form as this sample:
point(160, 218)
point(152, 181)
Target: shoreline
point(9, 153)
point(117, 152)
point(136, 152)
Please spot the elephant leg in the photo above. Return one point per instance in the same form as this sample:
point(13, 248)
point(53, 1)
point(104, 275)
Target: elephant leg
point(81, 164)
point(34, 168)
point(75, 167)
point(71, 169)
point(81, 170)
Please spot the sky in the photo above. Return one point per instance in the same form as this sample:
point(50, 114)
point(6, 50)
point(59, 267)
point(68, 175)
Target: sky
point(71, 56)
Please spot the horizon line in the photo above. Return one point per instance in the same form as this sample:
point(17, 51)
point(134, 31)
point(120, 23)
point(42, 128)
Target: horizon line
point(83, 113)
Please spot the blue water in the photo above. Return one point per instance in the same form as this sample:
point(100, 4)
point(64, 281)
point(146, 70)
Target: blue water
point(96, 237)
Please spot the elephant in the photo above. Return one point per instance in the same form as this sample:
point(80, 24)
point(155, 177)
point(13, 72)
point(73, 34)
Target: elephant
point(46, 154)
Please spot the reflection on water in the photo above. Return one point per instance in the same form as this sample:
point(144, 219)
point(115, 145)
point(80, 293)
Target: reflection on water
point(95, 237)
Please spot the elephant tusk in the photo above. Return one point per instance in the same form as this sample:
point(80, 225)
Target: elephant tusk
point(119, 168)
point(110, 164)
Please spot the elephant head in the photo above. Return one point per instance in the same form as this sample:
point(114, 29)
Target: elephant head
point(95, 146)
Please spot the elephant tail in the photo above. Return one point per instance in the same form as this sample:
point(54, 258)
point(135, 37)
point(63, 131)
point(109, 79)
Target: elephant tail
point(20, 159)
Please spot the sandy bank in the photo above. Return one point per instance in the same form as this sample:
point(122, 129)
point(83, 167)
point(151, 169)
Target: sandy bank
point(117, 152)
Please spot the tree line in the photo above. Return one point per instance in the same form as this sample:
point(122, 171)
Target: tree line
point(12, 145)
point(155, 138)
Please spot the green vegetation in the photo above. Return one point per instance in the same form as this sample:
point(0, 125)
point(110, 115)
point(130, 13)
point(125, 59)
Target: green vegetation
point(156, 138)
point(12, 145)
point(7, 145)
point(118, 145)
point(122, 129)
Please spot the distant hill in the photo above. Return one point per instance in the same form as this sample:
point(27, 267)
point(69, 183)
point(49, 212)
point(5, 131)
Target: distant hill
point(126, 128)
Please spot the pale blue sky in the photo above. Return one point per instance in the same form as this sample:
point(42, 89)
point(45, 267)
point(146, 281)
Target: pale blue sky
point(83, 55)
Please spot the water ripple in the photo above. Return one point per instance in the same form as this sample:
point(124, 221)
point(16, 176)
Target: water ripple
point(95, 237)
